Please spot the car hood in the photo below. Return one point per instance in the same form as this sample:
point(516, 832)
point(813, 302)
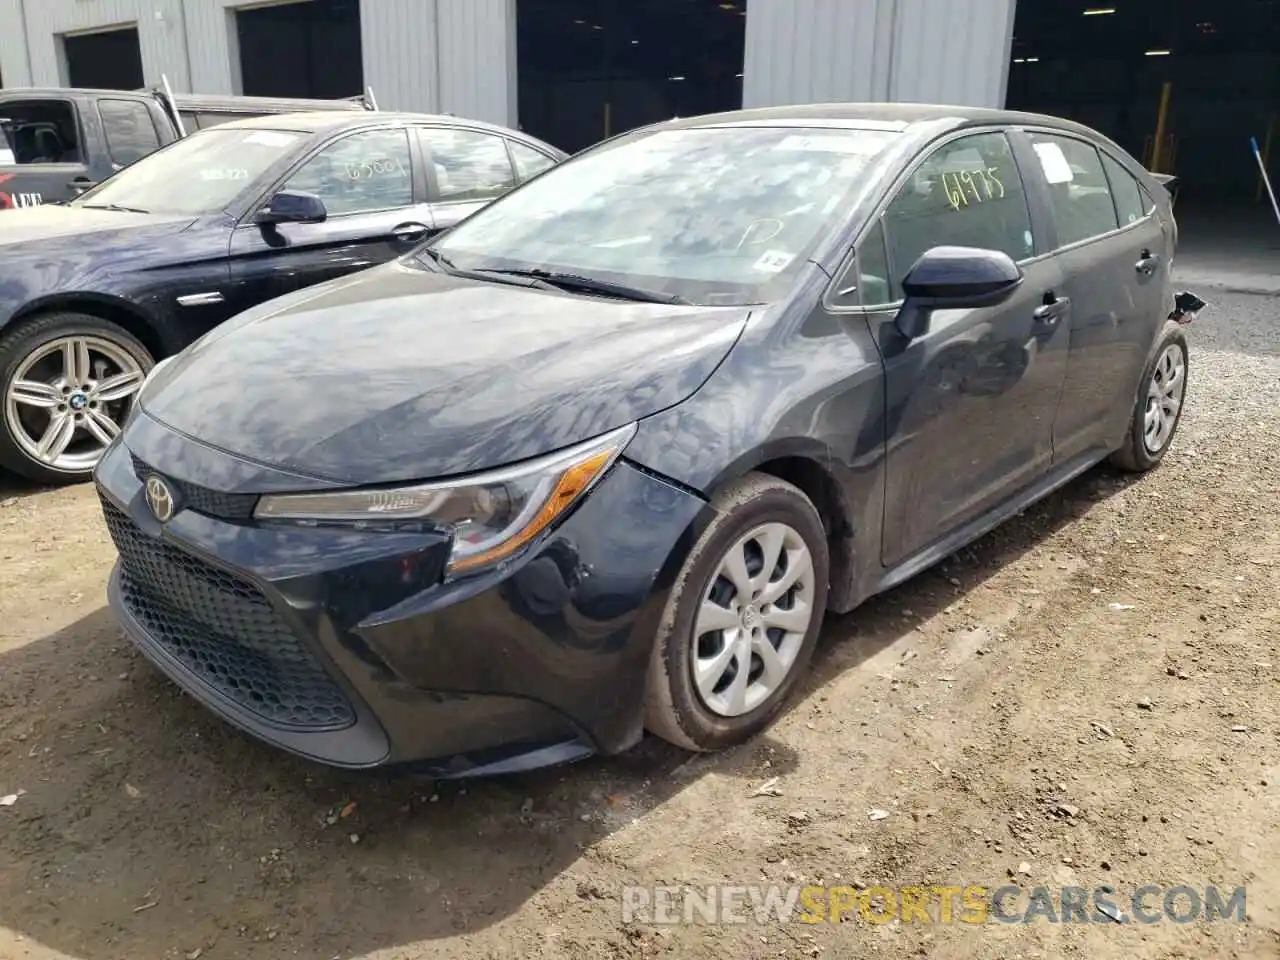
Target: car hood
point(49, 229)
point(403, 373)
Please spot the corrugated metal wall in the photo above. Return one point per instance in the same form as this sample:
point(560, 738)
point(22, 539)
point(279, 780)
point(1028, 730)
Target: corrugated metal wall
point(942, 51)
point(459, 56)
point(452, 56)
point(40, 61)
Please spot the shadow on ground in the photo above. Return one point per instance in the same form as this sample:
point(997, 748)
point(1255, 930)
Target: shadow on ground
point(151, 829)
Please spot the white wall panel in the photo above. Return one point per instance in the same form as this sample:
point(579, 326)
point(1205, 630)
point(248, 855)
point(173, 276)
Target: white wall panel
point(943, 51)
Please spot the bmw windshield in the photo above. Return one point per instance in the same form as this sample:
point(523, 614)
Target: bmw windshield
point(704, 215)
point(200, 174)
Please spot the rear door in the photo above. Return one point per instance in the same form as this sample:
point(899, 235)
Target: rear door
point(1111, 247)
point(129, 129)
point(41, 151)
point(377, 211)
point(465, 170)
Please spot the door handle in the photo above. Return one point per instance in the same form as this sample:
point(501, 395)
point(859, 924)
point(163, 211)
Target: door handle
point(1148, 264)
point(81, 184)
point(1048, 314)
point(411, 232)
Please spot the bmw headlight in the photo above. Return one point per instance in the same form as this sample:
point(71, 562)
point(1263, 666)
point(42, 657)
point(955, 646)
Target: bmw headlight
point(491, 515)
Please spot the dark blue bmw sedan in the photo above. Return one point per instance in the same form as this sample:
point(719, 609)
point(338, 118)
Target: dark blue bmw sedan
point(598, 459)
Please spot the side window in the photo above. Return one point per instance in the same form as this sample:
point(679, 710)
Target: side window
point(968, 193)
point(190, 122)
point(469, 165)
point(1130, 204)
point(131, 134)
point(1082, 204)
point(39, 132)
point(360, 173)
point(873, 268)
point(529, 162)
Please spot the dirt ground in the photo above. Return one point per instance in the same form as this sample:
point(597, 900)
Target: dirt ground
point(1090, 695)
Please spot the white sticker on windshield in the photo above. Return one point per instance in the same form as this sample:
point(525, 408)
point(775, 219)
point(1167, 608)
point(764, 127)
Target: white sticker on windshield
point(833, 143)
point(270, 138)
point(1054, 162)
point(773, 261)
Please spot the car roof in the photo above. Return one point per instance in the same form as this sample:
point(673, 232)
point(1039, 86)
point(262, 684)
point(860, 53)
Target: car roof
point(894, 116)
point(320, 121)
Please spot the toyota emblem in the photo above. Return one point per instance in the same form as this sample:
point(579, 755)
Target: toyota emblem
point(160, 499)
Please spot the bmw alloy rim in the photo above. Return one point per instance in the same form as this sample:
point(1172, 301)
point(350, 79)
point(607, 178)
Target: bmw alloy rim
point(69, 399)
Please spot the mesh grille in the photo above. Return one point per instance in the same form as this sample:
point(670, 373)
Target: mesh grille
point(212, 503)
point(224, 631)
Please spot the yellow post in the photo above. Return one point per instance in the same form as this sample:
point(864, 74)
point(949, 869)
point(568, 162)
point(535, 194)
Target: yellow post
point(1266, 155)
point(1162, 123)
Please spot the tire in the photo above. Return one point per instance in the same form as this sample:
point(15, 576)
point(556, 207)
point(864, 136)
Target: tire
point(110, 351)
point(1139, 454)
point(676, 709)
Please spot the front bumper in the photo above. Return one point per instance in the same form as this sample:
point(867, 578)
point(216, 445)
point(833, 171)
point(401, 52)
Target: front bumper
point(347, 648)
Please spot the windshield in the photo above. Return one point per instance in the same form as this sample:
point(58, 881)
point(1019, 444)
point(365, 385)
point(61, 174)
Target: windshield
point(197, 175)
point(713, 216)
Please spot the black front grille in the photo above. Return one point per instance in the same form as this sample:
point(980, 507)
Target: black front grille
point(224, 631)
point(212, 503)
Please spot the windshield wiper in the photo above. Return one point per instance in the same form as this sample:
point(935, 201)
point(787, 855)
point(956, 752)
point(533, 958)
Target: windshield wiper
point(572, 281)
point(492, 276)
point(118, 208)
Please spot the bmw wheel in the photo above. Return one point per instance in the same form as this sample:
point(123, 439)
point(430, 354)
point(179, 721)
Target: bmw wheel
point(742, 620)
point(1158, 409)
point(67, 384)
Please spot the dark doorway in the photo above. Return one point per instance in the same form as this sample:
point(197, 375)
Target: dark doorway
point(108, 60)
point(592, 68)
point(1111, 63)
point(306, 49)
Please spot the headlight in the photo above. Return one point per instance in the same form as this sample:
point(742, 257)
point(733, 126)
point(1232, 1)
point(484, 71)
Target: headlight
point(491, 515)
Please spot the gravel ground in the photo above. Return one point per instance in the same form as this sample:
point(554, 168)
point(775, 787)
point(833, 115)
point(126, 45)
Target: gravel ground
point(1089, 695)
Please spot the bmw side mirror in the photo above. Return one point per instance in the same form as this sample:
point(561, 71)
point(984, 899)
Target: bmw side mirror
point(293, 206)
point(955, 278)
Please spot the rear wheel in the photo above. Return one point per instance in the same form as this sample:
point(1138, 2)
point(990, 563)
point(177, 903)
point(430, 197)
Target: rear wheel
point(1158, 409)
point(742, 620)
point(67, 383)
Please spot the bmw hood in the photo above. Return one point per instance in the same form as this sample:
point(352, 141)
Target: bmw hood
point(403, 373)
point(50, 230)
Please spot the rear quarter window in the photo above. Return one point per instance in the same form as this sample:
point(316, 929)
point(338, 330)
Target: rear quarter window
point(1131, 205)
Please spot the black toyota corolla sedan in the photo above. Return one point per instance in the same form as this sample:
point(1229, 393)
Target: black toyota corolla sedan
point(93, 292)
point(598, 459)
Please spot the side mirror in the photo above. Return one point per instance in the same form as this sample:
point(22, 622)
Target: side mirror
point(955, 278)
point(289, 206)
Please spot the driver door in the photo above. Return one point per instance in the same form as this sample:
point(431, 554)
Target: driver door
point(970, 404)
point(376, 212)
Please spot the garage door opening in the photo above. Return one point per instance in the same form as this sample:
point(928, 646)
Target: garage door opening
point(306, 49)
point(107, 59)
point(1180, 84)
point(589, 69)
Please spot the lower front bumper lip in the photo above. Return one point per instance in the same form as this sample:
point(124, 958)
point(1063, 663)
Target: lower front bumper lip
point(361, 745)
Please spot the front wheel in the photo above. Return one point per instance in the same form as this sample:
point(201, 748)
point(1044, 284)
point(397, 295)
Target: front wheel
point(742, 620)
point(1158, 409)
point(67, 383)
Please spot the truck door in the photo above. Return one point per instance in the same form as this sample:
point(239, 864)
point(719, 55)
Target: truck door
point(42, 150)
